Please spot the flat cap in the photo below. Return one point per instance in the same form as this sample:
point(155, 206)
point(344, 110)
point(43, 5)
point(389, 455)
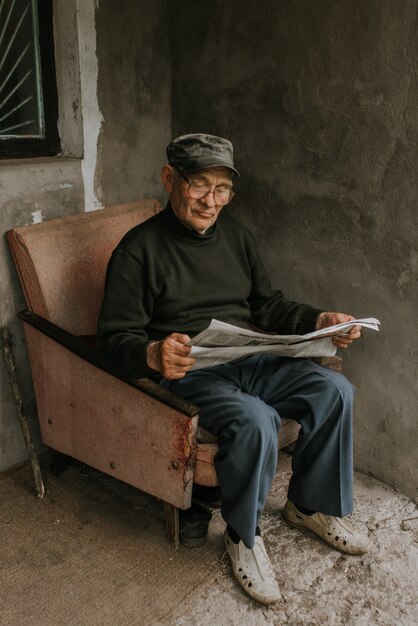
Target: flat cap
point(199, 151)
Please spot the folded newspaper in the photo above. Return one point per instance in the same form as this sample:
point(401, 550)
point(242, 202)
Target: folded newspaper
point(221, 342)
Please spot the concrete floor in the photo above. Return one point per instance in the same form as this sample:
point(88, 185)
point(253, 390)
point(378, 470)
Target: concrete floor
point(319, 585)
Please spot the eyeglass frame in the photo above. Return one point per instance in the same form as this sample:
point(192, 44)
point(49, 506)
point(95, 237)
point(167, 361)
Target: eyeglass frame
point(212, 189)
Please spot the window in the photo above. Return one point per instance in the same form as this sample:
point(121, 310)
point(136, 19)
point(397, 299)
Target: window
point(28, 98)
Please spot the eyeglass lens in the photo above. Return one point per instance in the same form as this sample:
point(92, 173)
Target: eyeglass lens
point(199, 189)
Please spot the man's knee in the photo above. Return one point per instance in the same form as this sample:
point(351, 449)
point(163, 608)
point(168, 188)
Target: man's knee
point(256, 425)
point(337, 386)
point(345, 388)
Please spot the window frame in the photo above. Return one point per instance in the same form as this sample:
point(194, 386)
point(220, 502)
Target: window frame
point(26, 147)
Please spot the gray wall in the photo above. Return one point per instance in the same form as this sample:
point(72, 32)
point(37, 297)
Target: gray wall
point(321, 107)
point(33, 190)
point(134, 92)
point(134, 100)
point(320, 101)
point(30, 191)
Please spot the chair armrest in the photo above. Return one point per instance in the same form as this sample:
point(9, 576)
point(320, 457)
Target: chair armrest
point(78, 346)
point(111, 424)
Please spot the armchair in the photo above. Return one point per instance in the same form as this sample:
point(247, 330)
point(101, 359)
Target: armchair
point(134, 430)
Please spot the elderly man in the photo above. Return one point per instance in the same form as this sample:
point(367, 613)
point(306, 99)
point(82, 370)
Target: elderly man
point(166, 280)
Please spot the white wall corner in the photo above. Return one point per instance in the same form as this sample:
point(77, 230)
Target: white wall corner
point(67, 62)
point(91, 115)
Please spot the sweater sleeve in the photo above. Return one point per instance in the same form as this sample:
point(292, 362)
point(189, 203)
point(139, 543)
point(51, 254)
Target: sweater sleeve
point(125, 312)
point(271, 311)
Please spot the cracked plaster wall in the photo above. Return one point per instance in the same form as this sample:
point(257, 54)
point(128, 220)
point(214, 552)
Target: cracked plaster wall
point(33, 190)
point(320, 103)
point(321, 107)
point(113, 79)
point(134, 93)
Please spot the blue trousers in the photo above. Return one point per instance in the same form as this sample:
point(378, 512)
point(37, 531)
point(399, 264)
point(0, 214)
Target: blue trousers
point(241, 403)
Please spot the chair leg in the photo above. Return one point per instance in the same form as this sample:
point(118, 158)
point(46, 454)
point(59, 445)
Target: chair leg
point(171, 514)
point(59, 463)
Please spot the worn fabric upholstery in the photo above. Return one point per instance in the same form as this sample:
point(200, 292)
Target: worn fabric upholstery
point(62, 263)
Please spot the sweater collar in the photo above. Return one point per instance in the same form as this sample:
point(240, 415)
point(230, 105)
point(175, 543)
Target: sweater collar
point(180, 230)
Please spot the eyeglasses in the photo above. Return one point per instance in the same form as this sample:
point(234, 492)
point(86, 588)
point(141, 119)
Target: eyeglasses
point(199, 188)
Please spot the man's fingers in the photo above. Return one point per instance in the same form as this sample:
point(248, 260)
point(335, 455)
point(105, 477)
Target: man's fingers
point(175, 351)
point(178, 361)
point(181, 338)
point(330, 319)
point(176, 370)
point(343, 341)
point(175, 362)
point(176, 343)
point(340, 343)
point(170, 356)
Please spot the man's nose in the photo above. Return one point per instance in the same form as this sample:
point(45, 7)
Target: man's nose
point(209, 199)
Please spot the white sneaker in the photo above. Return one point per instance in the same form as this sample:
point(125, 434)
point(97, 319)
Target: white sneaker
point(336, 531)
point(253, 570)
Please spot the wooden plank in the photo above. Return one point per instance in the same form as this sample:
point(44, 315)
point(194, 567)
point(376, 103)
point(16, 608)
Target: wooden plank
point(205, 473)
point(24, 424)
point(289, 432)
point(172, 522)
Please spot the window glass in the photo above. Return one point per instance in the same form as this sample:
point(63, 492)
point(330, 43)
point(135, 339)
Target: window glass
point(27, 79)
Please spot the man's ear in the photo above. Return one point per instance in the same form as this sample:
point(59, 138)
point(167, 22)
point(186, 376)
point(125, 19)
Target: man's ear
point(167, 176)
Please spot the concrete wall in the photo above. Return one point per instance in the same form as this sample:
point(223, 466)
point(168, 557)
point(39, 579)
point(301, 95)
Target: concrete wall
point(33, 190)
point(321, 107)
point(320, 103)
point(113, 77)
point(134, 93)
point(30, 191)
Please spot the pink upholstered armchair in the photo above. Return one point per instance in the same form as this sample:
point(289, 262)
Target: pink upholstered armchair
point(133, 430)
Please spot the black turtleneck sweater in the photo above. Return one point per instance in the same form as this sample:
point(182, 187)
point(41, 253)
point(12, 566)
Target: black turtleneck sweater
point(164, 278)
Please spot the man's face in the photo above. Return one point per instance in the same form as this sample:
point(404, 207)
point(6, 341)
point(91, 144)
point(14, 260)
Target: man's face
point(197, 214)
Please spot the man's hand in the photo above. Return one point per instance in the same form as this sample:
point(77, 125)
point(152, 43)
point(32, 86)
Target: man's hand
point(330, 319)
point(170, 356)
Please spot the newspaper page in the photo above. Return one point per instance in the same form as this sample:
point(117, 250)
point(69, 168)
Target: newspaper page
point(222, 342)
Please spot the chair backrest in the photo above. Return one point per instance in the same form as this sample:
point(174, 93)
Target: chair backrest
point(62, 263)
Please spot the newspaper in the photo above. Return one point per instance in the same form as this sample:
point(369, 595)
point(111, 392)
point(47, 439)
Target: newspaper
point(221, 342)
